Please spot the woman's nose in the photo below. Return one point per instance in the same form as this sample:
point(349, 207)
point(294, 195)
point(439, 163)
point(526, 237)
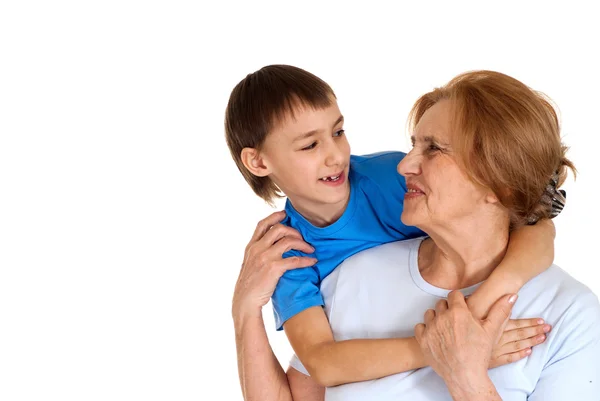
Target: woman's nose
point(409, 165)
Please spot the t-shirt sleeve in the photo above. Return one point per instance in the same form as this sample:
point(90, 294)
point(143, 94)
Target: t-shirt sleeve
point(296, 364)
point(296, 291)
point(572, 371)
point(386, 189)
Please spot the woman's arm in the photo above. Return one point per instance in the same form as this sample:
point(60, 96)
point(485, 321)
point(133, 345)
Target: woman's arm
point(261, 375)
point(475, 389)
point(530, 252)
point(303, 387)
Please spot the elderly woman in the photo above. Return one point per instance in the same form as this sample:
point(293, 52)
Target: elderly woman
point(486, 159)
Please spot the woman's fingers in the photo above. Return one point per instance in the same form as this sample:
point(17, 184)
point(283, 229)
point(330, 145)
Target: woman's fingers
point(419, 330)
point(429, 316)
point(265, 225)
point(294, 262)
point(441, 306)
point(276, 233)
point(287, 243)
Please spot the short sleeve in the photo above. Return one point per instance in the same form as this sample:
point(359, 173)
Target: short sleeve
point(573, 369)
point(385, 189)
point(297, 290)
point(296, 364)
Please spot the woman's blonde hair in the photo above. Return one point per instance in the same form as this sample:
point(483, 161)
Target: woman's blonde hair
point(506, 137)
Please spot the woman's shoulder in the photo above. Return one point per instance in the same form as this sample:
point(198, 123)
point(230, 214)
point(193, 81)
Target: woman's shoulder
point(562, 293)
point(381, 261)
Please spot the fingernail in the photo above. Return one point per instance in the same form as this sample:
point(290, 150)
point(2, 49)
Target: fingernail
point(528, 351)
point(541, 338)
point(512, 299)
point(540, 321)
point(547, 328)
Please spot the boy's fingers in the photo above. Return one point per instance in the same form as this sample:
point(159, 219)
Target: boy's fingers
point(527, 332)
point(522, 344)
point(265, 224)
point(520, 323)
point(509, 358)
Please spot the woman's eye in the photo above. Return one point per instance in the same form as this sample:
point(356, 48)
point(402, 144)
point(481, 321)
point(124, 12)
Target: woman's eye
point(311, 146)
point(339, 133)
point(433, 148)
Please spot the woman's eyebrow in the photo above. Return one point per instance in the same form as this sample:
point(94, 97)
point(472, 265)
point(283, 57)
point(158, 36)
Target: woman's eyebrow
point(428, 139)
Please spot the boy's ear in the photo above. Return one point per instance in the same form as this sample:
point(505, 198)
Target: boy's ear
point(254, 162)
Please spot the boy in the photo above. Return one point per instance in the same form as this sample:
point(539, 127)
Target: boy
point(285, 133)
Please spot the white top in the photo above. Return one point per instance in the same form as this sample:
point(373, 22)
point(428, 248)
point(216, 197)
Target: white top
point(380, 293)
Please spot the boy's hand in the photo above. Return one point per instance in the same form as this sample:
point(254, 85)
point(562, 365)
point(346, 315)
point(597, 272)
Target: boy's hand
point(263, 263)
point(517, 339)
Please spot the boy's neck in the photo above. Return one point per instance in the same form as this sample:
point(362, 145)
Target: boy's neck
point(319, 214)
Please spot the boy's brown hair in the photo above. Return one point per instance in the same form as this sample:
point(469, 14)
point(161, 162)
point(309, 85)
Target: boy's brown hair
point(262, 100)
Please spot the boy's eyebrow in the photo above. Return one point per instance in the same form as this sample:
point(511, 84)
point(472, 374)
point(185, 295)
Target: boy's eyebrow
point(316, 131)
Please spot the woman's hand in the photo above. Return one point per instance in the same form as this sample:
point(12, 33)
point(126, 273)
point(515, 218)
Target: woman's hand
point(263, 263)
point(457, 345)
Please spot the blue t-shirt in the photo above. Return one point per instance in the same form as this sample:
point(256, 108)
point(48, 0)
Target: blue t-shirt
point(371, 218)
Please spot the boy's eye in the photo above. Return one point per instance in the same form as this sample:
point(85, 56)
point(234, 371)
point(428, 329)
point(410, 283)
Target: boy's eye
point(311, 146)
point(339, 133)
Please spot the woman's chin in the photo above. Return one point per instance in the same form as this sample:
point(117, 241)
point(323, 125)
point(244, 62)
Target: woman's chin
point(408, 219)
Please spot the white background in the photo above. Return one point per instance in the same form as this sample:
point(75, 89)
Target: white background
point(123, 219)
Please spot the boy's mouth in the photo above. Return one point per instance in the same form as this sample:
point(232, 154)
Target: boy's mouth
point(331, 177)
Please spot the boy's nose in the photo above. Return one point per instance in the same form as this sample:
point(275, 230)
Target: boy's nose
point(334, 156)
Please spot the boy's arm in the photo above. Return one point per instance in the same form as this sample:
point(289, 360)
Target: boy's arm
point(530, 252)
point(332, 363)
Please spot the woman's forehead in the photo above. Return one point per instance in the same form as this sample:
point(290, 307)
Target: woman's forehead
point(434, 125)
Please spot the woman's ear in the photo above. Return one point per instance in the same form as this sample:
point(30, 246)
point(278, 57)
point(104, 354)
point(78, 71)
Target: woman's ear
point(491, 197)
point(253, 161)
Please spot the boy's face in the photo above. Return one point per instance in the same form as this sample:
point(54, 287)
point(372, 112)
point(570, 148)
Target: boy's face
point(308, 157)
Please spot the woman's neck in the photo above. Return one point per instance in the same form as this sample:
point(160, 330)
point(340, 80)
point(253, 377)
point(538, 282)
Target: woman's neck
point(460, 258)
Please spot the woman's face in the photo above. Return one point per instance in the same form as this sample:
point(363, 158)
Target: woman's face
point(439, 192)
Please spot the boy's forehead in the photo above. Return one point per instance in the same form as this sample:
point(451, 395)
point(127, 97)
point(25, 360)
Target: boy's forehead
point(304, 118)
